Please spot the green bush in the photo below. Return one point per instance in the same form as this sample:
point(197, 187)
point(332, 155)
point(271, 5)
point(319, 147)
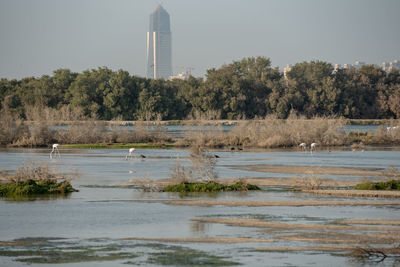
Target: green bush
point(389, 185)
point(209, 187)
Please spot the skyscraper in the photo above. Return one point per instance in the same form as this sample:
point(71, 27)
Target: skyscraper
point(159, 60)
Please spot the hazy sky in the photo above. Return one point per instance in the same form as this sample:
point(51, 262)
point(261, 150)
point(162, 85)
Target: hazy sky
point(39, 36)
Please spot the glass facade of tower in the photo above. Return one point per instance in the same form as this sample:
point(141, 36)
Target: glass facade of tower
point(159, 59)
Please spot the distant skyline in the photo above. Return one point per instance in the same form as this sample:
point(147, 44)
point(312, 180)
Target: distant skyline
point(40, 36)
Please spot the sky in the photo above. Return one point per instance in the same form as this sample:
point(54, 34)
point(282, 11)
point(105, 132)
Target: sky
point(40, 36)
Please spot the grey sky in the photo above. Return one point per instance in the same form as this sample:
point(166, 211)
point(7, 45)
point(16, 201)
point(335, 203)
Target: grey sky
point(39, 36)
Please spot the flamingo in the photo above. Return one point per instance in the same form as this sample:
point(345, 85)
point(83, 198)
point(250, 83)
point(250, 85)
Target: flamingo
point(55, 150)
point(313, 147)
point(303, 146)
point(131, 151)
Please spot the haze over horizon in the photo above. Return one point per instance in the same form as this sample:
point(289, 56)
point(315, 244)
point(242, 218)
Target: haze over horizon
point(38, 37)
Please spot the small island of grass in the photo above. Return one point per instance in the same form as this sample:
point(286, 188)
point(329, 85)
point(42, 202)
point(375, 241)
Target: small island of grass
point(389, 185)
point(35, 187)
point(31, 181)
point(186, 187)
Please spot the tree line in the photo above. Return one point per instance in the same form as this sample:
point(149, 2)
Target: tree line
point(244, 89)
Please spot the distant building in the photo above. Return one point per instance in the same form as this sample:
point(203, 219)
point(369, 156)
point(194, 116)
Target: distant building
point(358, 64)
point(388, 67)
point(337, 67)
point(286, 70)
point(181, 76)
point(159, 58)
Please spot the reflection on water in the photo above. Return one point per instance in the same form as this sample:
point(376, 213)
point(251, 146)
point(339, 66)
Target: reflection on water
point(199, 228)
point(102, 210)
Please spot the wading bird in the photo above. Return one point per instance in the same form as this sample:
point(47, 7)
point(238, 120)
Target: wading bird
point(131, 151)
point(303, 146)
point(55, 150)
point(313, 147)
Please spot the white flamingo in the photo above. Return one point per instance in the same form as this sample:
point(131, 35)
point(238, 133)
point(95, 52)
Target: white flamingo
point(131, 151)
point(55, 150)
point(313, 147)
point(303, 146)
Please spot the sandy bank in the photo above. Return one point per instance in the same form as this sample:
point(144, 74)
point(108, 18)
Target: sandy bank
point(268, 203)
point(312, 170)
point(291, 226)
point(357, 193)
point(204, 240)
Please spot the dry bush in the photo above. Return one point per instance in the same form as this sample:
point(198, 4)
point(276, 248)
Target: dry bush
point(207, 134)
point(146, 184)
point(41, 130)
point(207, 115)
point(391, 173)
point(310, 183)
point(43, 113)
point(35, 171)
point(40, 134)
point(12, 128)
point(202, 168)
point(85, 132)
point(273, 132)
point(385, 135)
point(144, 132)
point(180, 174)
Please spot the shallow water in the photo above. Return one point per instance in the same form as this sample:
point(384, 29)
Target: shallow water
point(100, 210)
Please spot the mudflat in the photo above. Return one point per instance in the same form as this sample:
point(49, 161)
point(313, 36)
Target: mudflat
point(312, 170)
point(268, 203)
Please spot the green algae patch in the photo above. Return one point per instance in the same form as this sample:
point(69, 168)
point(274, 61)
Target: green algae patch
point(118, 145)
point(209, 187)
point(59, 250)
point(389, 185)
point(71, 257)
point(53, 250)
point(188, 257)
point(32, 187)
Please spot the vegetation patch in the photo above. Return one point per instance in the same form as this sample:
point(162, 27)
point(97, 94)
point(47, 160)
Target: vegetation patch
point(188, 257)
point(44, 250)
point(38, 187)
point(209, 187)
point(117, 145)
point(388, 185)
point(30, 180)
point(56, 251)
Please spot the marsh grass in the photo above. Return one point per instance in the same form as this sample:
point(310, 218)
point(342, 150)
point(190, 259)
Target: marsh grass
point(388, 185)
point(38, 129)
point(272, 132)
point(187, 187)
point(30, 180)
point(391, 181)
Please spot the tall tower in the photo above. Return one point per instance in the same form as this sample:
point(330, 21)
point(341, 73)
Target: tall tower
point(159, 59)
